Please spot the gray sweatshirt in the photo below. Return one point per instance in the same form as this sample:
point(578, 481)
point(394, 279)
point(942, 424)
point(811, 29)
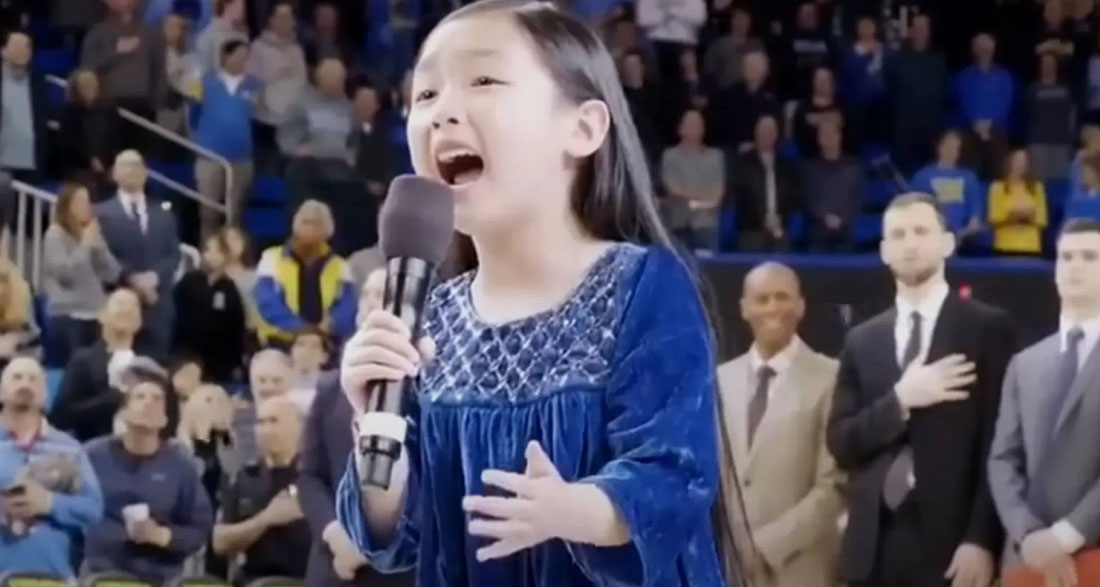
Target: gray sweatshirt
point(320, 124)
point(74, 274)
point(280, 65)
point(137, 74)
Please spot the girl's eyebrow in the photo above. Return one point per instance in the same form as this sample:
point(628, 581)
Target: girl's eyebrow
point(430, 62)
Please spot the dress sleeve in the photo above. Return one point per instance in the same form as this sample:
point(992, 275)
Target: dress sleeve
point(402, 551)
point(663, 475)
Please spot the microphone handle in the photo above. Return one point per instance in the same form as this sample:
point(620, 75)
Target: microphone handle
point(408, 282)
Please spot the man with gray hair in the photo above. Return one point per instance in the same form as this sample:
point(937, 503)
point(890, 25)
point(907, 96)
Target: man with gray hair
point(304, 284)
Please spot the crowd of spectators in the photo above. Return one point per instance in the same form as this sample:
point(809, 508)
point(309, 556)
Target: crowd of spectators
point(770, 126)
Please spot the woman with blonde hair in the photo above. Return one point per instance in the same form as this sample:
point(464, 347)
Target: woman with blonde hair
point(19, 333)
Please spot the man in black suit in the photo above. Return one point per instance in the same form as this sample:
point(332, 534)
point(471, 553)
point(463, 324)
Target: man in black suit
point(326, 445)
point(913, 416)
point(765, 191)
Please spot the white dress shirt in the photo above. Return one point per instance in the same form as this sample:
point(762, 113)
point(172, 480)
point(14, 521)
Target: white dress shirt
point(929, 310)
point(780, 363)
point(232, 82)
point(128, 201)
point(1070, 537)
point(1091, 329)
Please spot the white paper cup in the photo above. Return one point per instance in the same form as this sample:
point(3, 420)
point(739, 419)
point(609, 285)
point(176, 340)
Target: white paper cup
point(134, 513)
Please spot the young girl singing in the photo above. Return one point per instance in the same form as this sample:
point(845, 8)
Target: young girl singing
point(565, 431)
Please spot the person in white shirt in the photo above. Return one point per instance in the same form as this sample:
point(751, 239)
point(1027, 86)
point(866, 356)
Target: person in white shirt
point(1044, 466)
point(672, 26)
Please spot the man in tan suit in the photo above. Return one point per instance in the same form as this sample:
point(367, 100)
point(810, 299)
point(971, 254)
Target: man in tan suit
point(777, 399)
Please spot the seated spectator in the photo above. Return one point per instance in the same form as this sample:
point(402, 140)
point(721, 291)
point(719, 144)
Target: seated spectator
point(157, 514)
point(808, 114)
point(956, 188)
point(316, 140)
point(984, 92)
point(1017, 208)
point(88, 398)
point(1051, 114)
point(225, 128)
point(51, 495)
point(186, 375)
point(687, 91)
point(309, 354)
point(142, 236)
point(765, 192)
point(212, 316)
point(19, 333)
point(303, 283)
point(833, 187)
point(228, 24)
point(279, 64)
point(88, 123)
point(76, 265)
point(261, 517)
point(1090, 147)
point(733, 114)
point(694, 179)
point(25, 138)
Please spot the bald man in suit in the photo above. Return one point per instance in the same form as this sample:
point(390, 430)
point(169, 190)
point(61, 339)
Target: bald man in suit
point(776, 400)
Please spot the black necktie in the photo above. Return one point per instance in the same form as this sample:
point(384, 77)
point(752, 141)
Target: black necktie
point(759, 402)
point(896, 485)
point(913, 345)
point(136, 215)
point(1067, 374)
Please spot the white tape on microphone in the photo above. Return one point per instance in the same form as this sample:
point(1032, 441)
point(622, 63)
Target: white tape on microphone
point(384, 424)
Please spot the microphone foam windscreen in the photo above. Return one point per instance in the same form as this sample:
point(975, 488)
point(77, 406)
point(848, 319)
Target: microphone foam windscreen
point(417, 219)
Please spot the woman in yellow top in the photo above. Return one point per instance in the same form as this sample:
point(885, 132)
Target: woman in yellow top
point(1017, 208)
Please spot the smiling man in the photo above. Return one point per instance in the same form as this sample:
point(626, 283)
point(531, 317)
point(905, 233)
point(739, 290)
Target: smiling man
point(776, 400)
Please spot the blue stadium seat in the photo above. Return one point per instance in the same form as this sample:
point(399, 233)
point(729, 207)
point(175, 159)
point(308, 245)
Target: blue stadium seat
point(868, 229)
point(880, 192)
point(59, 62)
point(265, 225)
point(269, 189)
point(1083, 208)
point(727, 229)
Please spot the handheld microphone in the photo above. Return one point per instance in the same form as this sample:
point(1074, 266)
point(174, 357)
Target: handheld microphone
point(415, 228)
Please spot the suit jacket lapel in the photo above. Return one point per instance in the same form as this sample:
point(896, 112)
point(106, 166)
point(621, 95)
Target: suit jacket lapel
point(944, 330)
point(735, 407)
point(1089, 374)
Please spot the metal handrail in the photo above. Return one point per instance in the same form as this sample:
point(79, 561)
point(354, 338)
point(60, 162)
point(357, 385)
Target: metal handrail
point(39, 198)
point(228, 208)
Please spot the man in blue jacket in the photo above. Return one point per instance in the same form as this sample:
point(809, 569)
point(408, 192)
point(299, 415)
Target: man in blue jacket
point(225, 127)
point(49, 494)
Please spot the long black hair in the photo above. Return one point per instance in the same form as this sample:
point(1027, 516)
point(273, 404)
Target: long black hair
point(612, 198)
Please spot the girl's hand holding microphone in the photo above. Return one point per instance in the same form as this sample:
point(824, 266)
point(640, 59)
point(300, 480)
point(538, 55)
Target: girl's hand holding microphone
point(380, 350)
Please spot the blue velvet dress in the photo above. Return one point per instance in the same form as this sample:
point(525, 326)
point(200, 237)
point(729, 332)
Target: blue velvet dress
point(616, 384)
